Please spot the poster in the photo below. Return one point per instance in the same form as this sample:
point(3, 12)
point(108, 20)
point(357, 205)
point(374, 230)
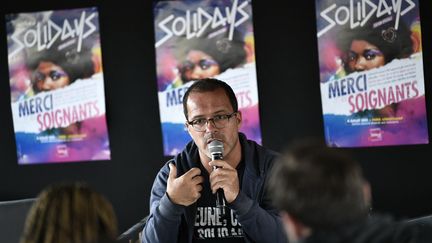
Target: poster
point(57, 86)
point(371, 72)
point(199, 39)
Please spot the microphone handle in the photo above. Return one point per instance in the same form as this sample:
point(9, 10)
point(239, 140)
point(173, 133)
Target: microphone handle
point(220, 201)
point(220, 197)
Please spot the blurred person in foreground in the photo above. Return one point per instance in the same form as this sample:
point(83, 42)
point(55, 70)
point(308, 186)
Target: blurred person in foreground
point(323, 197)
point(70, 213)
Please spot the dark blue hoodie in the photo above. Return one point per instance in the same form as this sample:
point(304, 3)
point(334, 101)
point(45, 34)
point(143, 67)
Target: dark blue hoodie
point(260, 221)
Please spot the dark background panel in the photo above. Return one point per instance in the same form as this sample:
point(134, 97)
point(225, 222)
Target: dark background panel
point(290, 108)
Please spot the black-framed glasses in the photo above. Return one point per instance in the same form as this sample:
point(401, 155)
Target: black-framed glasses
point(54, 75)
point(219, 121)
point(204, 64)
point(368, 54)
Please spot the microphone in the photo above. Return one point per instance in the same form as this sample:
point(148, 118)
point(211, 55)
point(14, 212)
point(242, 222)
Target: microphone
point(216, 151)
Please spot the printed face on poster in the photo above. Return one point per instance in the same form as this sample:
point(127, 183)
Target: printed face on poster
point(203, 39)
point(57, 86)
point(371, 72)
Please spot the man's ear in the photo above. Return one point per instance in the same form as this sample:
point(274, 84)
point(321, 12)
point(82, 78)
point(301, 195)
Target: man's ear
point(187, 128)
point(239, 118)
point(367, 193)
point(294, 228)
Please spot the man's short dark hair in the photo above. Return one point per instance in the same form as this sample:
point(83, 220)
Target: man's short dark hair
point(319, 186)
point(207, 85)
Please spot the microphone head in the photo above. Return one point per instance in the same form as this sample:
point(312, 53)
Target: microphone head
point(216, 147)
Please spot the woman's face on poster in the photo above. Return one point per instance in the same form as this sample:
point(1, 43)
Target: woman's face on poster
point(198, 65)
point(364, 56)
point(49, 76)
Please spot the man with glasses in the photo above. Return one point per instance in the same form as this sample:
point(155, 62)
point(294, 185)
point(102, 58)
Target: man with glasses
point(183, 202)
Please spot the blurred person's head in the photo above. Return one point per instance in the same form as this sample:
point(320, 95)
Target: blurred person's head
point(374, 44)
point(317, 188)
point(209, 55)
point(70, 213)
point(59, 66)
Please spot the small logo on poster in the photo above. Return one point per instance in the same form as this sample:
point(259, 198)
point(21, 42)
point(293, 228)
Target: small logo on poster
point(375, 134)
point(62, 150)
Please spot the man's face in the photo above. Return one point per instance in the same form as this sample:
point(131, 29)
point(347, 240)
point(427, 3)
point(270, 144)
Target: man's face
point(205, 105)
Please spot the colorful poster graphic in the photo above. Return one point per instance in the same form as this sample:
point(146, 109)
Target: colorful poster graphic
point(371, 72)
point(57, 86)
point(200, 39)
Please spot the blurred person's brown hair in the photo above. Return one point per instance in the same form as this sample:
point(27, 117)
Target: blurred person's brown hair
point(70, 213)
